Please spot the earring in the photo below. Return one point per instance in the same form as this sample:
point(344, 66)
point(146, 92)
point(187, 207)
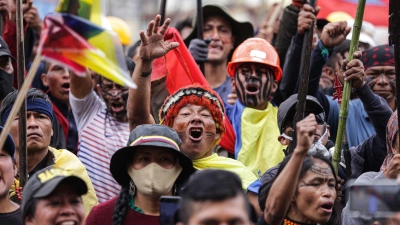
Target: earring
point(132, 188)
point(174, 192)
point(18, 191)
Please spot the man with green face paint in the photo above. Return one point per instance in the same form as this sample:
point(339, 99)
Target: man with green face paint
point(103, 128)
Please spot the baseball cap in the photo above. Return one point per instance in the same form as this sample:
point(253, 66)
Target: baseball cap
point(148, 135)
point(45, 181)
point(9, 145)
point(4, 50)
point(287, 109)
point(240, 30)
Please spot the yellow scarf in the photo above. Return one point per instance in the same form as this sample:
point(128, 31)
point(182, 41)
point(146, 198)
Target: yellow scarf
point(261, 149)
point(218, 162)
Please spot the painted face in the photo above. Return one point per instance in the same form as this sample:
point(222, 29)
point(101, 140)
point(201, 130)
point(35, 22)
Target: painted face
point(8, 170)
point(382, 81)
point(254, 84)
point(219, 30)
point(39, 131)
point(57, 79)
point(230, 211)
point(197, 130)
point(63, 206)
point(315, 194)
point(115, 96)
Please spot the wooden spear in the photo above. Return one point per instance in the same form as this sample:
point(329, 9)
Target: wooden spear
point(344, 107)
point(303, 85)
point(23, 168)
point(394, 39)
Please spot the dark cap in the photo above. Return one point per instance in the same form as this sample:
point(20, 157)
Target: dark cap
point(148, 135)
point(9, 145)
point(287, 109)
point(45, 181)
point(4, 50)
point(240, 30)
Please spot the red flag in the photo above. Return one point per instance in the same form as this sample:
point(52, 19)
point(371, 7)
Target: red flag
point(376, 11)
point(181, 70)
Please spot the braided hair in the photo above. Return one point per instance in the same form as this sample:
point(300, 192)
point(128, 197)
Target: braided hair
point(122, 206)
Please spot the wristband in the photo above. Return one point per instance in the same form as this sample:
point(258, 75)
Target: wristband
point(324, 51)
point(145, 74)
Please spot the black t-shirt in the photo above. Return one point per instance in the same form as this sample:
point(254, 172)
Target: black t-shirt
point(14, 218)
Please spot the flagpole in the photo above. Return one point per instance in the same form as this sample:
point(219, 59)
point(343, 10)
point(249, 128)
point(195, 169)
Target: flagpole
point(200, 29)
point(22, 113)
point(344, 107)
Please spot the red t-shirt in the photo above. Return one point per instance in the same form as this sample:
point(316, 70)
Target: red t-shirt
point(102, 215)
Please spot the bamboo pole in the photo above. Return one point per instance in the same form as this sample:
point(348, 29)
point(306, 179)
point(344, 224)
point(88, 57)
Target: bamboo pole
point(344, 108)
point(20, 98)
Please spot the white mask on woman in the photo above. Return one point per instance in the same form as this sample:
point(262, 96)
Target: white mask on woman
point(154, 180)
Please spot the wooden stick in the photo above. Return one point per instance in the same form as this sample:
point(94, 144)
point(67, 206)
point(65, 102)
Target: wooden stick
point(162, 11)
point(394, 28)
point(344, 107)
point(23, 168)
point(200, 29)
point(303, 86)
point(20, 98)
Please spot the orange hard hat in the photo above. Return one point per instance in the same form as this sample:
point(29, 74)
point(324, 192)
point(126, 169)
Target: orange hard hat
point(255, 50)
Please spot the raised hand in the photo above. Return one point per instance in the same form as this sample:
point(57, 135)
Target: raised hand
point(153, 43)
point(334, 34)
point(353, 71)
point(392, 171)
point(306, 129)
point(306, 16)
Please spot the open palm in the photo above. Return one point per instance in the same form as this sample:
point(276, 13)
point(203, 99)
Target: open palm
point(153, 43)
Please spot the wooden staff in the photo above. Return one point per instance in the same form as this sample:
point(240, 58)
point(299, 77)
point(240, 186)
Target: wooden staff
point(23, 168)
point(162, 10)
point(200, 29)
point(20, 99)
point(344, 107)
point(394, 35)
point(303, 86)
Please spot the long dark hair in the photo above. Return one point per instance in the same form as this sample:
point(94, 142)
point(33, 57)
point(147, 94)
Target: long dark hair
point(308, 162)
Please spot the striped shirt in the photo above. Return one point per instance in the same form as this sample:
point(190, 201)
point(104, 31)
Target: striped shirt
point(100, 136)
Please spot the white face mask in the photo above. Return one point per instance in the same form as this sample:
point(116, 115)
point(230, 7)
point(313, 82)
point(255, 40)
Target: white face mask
point(319, 147)
point(154, 180)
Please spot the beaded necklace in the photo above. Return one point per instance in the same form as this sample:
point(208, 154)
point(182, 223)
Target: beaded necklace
point(288, 221)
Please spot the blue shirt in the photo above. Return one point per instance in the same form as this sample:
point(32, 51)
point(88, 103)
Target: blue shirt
point(224, 89)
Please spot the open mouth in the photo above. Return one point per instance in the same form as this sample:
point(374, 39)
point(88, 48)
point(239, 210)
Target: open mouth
point(65, 86)
point(327, 207)
point(196, 134)
point(117, 107)
point(252, 89)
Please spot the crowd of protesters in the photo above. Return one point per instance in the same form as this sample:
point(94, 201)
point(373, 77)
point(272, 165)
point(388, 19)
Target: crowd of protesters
point(102, 153)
